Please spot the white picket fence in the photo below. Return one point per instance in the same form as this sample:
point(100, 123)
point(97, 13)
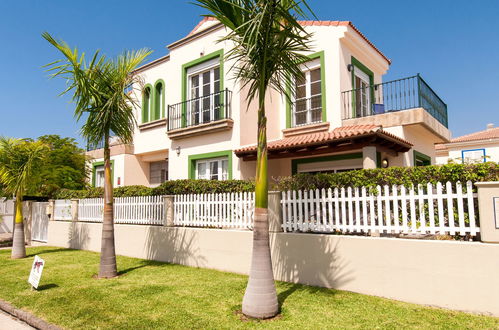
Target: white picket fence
point(426, 209)
point(62, 209)
point(225, 210)
point(140, 210)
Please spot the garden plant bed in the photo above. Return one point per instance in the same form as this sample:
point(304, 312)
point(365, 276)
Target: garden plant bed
point(150, 294)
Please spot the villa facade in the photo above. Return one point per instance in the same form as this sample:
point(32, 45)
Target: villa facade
point(194, 120)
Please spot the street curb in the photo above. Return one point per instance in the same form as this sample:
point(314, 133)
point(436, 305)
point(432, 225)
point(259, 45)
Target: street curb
point(26, 317)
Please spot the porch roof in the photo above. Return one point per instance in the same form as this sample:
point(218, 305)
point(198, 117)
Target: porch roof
point(340, 139)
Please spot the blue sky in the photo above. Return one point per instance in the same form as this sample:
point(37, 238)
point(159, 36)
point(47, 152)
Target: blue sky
point(453, 44)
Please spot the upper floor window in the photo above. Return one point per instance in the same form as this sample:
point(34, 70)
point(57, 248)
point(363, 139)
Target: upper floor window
point(159, 100)
point(146, 104)
point(204, 93)
point(307, 106)
point(212, 169)
point(362, 87)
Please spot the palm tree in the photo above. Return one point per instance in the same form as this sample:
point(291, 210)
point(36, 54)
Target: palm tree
point(99, 90)
point(18, 159)
point(268, 48)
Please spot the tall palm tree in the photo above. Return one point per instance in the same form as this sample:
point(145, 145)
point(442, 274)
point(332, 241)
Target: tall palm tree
point(268, 48)
point(99, 91)
point(18, 159)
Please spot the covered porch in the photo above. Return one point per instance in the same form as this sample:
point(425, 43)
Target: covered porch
point(342, 149)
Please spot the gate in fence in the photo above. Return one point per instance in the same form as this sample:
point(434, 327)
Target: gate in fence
point(39, 222)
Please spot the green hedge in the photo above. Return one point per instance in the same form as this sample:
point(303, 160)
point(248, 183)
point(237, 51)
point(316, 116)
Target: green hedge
point(406, 176)
point(370, 178)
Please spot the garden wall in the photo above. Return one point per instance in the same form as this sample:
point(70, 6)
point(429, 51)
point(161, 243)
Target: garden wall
point(449, 274)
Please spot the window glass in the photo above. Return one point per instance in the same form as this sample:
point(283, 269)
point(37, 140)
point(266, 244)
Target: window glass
point(213, 169)
point(204, 103)
point(99, 176)
point(158, 172)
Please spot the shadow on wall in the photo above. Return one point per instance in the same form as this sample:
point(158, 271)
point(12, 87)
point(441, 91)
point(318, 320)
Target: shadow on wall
point(78, 236)
point(175, 245)
point(310, 259)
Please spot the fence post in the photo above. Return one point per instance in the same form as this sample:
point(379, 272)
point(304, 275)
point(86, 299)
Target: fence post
point(168, 205)
point(28, 220)
point(275, 211)
point(74, 210)
point(50, 209)
point(488, 205)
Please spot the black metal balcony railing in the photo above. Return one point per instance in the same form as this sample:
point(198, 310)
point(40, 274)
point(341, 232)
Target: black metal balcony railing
point(402, 94)
point(200, 110)
point(113, 140)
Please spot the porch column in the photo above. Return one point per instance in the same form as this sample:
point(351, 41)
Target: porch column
point(369, 157)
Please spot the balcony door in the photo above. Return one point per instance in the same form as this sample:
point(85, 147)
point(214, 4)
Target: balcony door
point(362, 93)
point(204, 104)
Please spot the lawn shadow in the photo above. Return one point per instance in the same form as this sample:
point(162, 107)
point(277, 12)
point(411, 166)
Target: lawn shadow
point(50, 251)
point(47, 286)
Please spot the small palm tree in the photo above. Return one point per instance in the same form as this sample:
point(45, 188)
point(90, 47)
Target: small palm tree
point(268, 49)
point(18, 159)
point(99, 90)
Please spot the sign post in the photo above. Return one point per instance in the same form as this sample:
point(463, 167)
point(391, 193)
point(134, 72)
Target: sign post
point(36, 272)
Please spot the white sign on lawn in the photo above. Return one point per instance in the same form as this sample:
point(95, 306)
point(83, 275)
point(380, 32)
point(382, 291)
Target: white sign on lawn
point(36, 271)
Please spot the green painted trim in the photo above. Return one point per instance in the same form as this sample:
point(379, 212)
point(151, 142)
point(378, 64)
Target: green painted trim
point(378, 159)
point(296, 162)
point(146, 110)
point(218, 53)
point(313, 56)
point(356, 63)
point(420, 156)
point(95, 164)
point(193, 158)
point(159, 113)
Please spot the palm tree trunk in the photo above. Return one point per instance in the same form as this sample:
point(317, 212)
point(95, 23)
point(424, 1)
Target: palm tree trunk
point(18, 243)
point(260, 298)
point(108, 254)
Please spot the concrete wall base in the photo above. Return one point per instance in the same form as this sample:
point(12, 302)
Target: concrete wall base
point(449, 274)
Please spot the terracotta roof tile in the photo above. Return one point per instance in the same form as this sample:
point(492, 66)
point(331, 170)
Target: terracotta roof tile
point(490, 133)
point(324, 137)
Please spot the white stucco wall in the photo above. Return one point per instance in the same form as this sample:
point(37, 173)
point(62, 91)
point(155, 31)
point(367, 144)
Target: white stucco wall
point(455, 151)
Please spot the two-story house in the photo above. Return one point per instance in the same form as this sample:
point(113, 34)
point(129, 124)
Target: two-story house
point(194, 120)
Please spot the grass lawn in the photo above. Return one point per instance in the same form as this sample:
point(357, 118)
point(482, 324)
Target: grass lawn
point(150, 294)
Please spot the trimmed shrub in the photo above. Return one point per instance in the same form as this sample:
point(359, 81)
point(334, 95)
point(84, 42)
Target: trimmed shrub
point(406, 176)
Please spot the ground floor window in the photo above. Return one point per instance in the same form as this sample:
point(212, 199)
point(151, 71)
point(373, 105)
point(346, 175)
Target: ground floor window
point(421, 159)
point(158, 172)
point(327, 164)
point(212, 169)
point(473, 156)
point(99, 175)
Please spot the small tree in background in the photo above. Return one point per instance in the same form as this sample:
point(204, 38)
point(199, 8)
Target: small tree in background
point(18, 161)
point(99, 92)
point(268, 49)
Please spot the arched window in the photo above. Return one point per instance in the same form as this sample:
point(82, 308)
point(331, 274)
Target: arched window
point(146, 104)
point(159, 100)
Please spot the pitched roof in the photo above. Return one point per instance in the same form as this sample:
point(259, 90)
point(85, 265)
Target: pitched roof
point(487, 134)
point(311, 23)
point(323, 138)
point(490, 133)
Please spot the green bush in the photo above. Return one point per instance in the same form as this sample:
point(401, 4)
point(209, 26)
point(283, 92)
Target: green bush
point(406, 176)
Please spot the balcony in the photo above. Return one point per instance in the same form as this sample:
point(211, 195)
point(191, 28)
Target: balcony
point(200, 115)
point(394, 96)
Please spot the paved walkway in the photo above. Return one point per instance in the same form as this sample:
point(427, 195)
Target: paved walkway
point(7, 322)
